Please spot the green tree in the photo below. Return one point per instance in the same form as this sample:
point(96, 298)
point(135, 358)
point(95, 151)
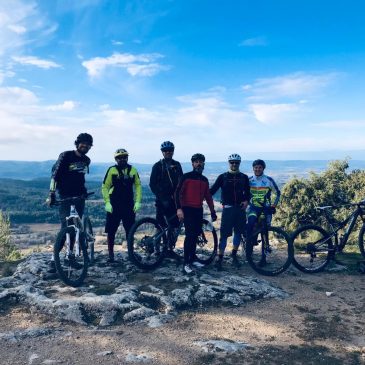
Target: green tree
point(8, 250)
point(335, 186)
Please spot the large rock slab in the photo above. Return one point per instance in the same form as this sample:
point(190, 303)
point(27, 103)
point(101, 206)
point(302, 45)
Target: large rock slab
point(117, 294)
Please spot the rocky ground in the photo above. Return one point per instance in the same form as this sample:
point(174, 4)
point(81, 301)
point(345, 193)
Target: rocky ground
point(122, 315)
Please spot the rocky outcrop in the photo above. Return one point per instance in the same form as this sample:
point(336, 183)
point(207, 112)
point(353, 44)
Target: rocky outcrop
point(122, 293)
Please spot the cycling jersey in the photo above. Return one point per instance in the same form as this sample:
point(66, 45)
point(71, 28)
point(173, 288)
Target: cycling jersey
point(235, 188)
point(118, 185)
point(68, 174)
point(261, 186)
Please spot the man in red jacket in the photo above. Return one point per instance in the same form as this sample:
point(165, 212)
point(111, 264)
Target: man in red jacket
point(191, 191)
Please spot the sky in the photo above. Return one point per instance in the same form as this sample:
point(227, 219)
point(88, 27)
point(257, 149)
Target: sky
point(277, 79)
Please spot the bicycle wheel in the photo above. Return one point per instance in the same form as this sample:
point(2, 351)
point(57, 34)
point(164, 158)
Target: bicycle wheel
point(147, 244)
point(312, 248)
point(207, 244)
point(269, 251)
point(70, 265)
point(176, 237)
point(89, 235)
point(361, 240)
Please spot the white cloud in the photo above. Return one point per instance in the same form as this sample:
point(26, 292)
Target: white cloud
point(252, 42)
point(117, 43)
point(21, 23)
point(136, 65)
point(17, 28)
point(35, 61)
point(68, 105)
point(273, 113)
point(5, 74)
point(293, 85)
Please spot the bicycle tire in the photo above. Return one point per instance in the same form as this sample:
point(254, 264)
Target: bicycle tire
point(269, 251)
point(89, 235)
point(146, 251)
point(312, 248)
point(66, 266)
point(207, 243)
point(361, 240)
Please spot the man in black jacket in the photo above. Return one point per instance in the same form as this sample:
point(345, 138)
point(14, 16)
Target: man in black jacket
point(235, 195)
point(68, 178)
point(165, 176)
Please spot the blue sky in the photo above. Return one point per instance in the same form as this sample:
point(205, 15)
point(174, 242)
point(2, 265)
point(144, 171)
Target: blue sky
point(270, 79)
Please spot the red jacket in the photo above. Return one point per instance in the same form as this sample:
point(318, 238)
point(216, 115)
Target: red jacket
point(192, 189)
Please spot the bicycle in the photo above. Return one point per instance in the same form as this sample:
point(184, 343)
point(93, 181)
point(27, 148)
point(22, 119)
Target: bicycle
point(148, 242)
point(72, 244)
point(313, 245)
point(269, 249)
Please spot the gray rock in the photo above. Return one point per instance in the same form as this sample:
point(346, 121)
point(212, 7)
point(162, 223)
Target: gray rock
point(138, 358)
point(139, 314)
point(221, 346)
point(133, 300)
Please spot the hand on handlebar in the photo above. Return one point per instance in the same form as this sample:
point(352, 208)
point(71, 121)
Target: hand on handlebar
point(180, 214)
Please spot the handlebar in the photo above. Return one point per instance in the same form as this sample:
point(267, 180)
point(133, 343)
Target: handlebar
point(362, 202)
point(73, 198)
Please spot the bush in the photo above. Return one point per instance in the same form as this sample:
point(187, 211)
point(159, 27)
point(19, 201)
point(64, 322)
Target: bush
point(335, 186)
point(8, 250)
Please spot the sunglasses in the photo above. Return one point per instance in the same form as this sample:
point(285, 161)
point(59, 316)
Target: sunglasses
point(122, 157)
point(234, 162)
point(168, 150)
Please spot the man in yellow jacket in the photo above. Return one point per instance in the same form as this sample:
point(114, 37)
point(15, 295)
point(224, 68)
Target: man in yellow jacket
point(121, 202)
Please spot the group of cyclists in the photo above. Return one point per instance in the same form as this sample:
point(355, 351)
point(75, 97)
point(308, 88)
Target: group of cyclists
point(179, 196)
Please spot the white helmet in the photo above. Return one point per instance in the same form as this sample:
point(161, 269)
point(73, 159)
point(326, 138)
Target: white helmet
point(234, 157)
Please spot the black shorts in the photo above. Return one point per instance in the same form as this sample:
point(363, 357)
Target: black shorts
point(233, 218)
point(113, 220)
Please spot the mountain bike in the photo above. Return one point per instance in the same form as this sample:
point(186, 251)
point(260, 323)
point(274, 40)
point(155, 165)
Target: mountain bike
point(148, 242)
point(269, 250)
point(72, 244)
point(314, 246)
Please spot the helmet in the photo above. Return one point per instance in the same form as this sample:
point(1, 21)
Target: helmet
point(120, 152)
point(167, 145)
point(234, 157)
point(259, 162)
point(84, 138)
point(197, 156)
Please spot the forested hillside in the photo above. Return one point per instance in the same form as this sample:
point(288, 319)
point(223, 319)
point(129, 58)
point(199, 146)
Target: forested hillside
point(24, 201)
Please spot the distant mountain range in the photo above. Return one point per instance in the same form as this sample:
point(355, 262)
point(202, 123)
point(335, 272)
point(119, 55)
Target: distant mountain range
point(281, 170)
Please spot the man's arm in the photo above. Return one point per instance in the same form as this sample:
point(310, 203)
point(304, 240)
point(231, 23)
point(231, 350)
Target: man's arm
point(217, 185)
point(154, 179)
point(138, 187)
point(277, 191)
point(208, 198)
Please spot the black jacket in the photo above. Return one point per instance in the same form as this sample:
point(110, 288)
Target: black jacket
point(164, 179)
point(235, 188)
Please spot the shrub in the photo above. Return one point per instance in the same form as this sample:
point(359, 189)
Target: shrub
point(8, 250)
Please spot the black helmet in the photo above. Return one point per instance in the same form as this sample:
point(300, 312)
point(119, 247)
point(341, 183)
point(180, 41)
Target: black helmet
point(259, 162)
point(167, 145)
point(197, 156)
point(85, 138)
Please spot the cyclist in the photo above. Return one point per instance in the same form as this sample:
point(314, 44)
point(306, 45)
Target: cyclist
point(164, 179)
point(121, 203)
point(68, 178)
point(261, 187)
point(235, 195)
point(193, 188)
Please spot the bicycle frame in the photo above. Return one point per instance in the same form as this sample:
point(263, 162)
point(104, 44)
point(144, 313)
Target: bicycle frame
point(350, 222)
point(77, 226)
